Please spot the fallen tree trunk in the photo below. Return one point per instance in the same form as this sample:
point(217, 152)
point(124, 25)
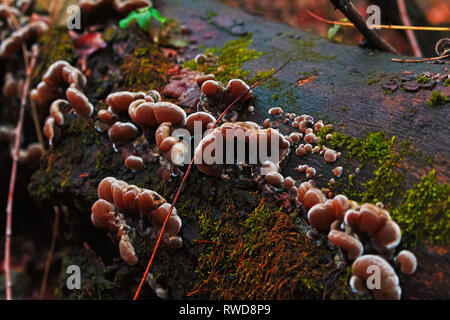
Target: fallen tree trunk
point(338, 83)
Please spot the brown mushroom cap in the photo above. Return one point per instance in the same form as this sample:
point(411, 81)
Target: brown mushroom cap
point(53, 76)
point(201, 79)
point(312, 197)
point(108, 117)
point(202, 118)
point(351, 218)
point(130, 199)
point(237, 87)
point(319, 217)
point(162, 133)
point(148, 201)
point(160, 214)
point(142, 113)
point(208, 169)
point(122, 132)
point(358, 285)
point(212, 88)
point(407, 261)
point(50, 129)
point(44, 93)
point(288, 183)
point(105, 189)
point(57, 110)
point(103, 215)
point(340, 204)
point(389, 282)
point(351, 245)
point(26, 34)
point(371, 218)
point(134, 163)
point(127, 252)
point(169, 112)
point(79, 102)
point(120, 101)
point(387, 237)
point(274, 178)
point(304, 186)
point(310, 138)
point(118, 188)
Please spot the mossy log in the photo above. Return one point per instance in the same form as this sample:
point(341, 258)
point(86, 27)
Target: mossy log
point(338, 83)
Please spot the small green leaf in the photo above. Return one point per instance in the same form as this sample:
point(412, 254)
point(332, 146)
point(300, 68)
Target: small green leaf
point(333, 30)
point(142, 17)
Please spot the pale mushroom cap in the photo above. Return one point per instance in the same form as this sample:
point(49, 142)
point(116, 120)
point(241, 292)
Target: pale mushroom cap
point(288, 183)
point(407, 261)
point(274, 178)
point(358, 285)
point(312, 197)
point(337, 171)
point(364, 267)
point(330, 155)
point(387, 237)
point(351, 245)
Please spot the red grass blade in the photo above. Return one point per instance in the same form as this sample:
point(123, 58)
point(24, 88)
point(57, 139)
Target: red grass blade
point(12, 182)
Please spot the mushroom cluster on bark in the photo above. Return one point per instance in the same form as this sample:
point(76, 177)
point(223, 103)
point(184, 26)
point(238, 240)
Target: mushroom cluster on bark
point(125, 210)
point(61, 79)
point(347, 224)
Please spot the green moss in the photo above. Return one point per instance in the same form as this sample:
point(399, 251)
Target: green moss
point(229, 60)
point(144, 69)
point(424, 213)
point(109, 34)
point(259, 256)
point(423, 79)
point(305, 50)
point(375, 78)
point(55, 44)
point(437, 99)
point(447, 82)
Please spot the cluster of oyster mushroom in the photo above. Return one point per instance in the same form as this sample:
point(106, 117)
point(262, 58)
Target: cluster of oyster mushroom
point(125, 209)
point(29, 30)
point(61, 78)
point(358, 228)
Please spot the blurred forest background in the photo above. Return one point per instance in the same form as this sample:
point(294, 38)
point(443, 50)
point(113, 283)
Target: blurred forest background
point(420, 13)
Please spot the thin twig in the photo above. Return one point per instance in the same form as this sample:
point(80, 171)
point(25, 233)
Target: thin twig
point(409, 33)
point(352, 14)
point(420, 60)
point(51, 250)
point(9, 206)
point(37, 126)
point(136, 296)
point(378, 26)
